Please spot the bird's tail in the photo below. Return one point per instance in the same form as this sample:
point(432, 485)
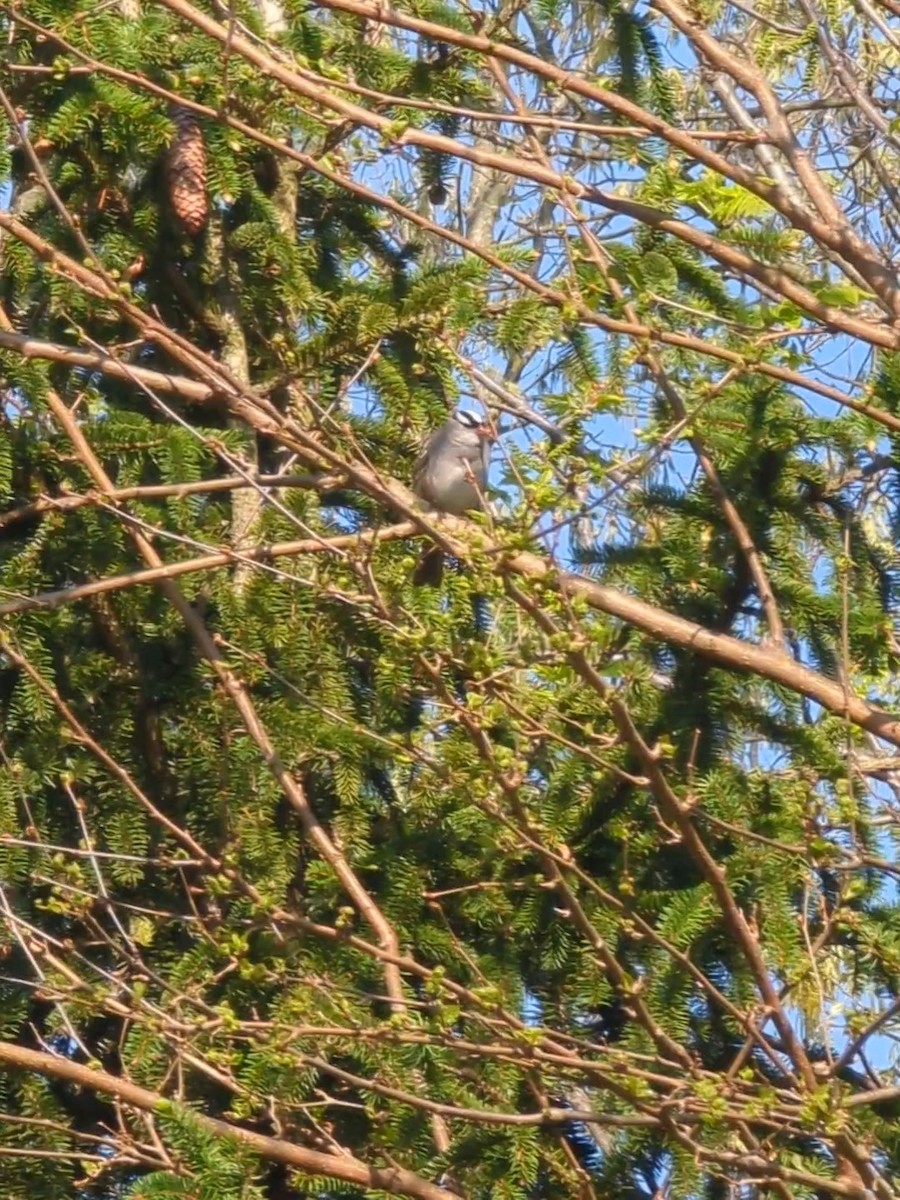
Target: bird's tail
point(430, 568)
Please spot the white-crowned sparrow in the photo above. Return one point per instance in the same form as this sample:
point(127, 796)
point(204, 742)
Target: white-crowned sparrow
point(451, 475)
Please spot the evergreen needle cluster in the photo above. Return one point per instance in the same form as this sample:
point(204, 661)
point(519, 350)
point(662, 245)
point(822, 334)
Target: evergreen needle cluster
point(575, 876)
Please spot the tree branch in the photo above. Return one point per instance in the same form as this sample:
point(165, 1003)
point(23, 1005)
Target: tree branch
point(345, 1167)
point(725, 253)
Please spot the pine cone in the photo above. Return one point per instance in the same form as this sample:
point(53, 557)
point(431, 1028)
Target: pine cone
point(186, 172)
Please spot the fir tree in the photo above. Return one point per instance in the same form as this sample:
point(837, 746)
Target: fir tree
point(311, 883)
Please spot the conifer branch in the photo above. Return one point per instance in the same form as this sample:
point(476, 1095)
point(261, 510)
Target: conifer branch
point(674, 810)
point(733, 518)
point(773, 278)
point(727, 651)
point(392, 1179)
point(730, 652)
point(236, 691)
point(335, 859)
point(70, 501)
point(833, 232)
point(589, 315)
point(345, 542)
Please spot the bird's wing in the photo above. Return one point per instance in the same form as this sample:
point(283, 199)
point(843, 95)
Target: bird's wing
point(421, 464)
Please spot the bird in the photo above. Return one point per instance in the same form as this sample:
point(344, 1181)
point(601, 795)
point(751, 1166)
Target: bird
point(450, 475)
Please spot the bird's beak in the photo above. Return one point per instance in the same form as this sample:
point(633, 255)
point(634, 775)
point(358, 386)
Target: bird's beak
point(486, 433)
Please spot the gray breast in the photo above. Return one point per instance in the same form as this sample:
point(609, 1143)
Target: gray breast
point(455, 470)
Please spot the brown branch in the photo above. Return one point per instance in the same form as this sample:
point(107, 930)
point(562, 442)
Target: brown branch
point(70, 501)
point(551, 1051)
point(727, 651)
point(235, 690)
point(879, 276)
point(675, 811)
point(725, 253)
point(547, 1117)
point(567, 863)
point(732, 517)
point(585, 312)
point(168, 385)
point(216, 376)
point(209, 562)
point(653, 124)
point(460, 537)
point(345, 1167)
point(183, 837)
point(832, 231)
point(393, 1179)
point(850, 1051)
point(509, 783)
point(876, 1096)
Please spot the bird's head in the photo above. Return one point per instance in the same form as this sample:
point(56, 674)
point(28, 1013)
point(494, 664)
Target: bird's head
point(477, 424)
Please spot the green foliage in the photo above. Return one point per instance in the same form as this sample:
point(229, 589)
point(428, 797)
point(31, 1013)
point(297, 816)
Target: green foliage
point(222, 1167)
point(637, 49)
point(571, 846)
